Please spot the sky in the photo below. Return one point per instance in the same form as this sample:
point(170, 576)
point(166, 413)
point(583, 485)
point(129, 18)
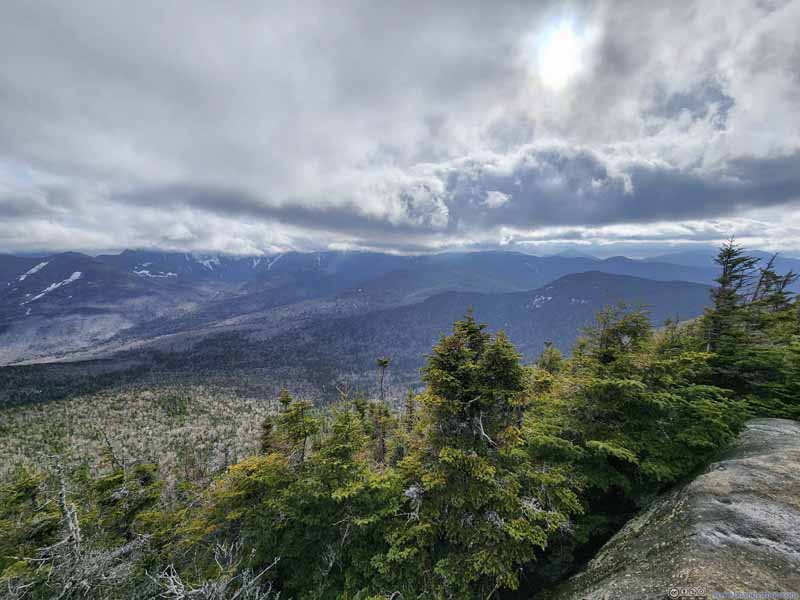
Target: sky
point(252, 127)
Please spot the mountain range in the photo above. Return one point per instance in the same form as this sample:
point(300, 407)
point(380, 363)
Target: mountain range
point(324, 313)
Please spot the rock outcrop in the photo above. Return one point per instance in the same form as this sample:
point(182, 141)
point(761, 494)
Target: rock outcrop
point(734, 528)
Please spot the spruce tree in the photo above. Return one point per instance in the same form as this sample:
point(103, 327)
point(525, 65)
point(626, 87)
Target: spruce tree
point(380, 423)
point(409, 411)
point(551, 359)
point(750, 330)
point(643, 406)
point(267, 442)
point(290, 430)
point(475, 505)
point(737, 274)
point(383, 364)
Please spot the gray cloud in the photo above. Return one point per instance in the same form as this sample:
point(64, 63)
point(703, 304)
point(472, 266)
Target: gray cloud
point(256, 127)
point(551, 187)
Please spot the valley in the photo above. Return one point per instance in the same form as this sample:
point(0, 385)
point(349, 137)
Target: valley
point(313, 319)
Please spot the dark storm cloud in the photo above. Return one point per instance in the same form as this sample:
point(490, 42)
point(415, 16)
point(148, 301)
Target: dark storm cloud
point(546, 188)
point(551, 188)
point(237, 203)
point(251, 126)
point(20, 207)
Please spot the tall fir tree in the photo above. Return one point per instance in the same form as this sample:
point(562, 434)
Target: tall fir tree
point(476, 507)
point(737, 275)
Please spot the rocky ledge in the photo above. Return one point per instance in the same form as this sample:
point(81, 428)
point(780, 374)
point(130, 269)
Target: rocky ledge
point(733, 528)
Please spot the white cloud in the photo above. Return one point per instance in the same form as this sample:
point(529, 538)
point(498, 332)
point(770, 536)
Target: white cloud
point(495, 199)
point(393, 126)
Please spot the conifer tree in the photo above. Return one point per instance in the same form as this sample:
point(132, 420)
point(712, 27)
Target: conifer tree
point(474, 502)
point(760, 361)
point(724, 320)
point(267, 441)
point(772, 312)
point(383, 364)
point(551, 359)
point(325, 520)
point(645, 412)
point(409, 411)
point(618, 333)
point(402, 436)
point(290, 430)
point(750, 328)
point(380, 423)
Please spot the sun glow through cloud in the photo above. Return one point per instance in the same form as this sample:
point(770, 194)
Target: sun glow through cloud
point(559, 57)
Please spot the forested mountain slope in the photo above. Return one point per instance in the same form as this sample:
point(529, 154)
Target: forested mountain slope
point(72, 301)
point(53, 306)
point(322, 341)
point(554, 313)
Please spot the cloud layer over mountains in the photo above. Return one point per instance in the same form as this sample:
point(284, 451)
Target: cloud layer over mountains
point(253, 127)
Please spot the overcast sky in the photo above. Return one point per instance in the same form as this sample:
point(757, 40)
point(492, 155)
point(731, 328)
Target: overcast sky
point(252, 126)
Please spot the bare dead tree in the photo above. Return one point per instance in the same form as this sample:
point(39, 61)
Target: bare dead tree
point(69, 514)
point(233, 583)
point(116, 462)
point(343, 387)
point(73, 567)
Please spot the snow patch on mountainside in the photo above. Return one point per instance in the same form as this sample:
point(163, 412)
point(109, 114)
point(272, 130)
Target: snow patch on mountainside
point(539, 301)
point(35, 269)
point(54, 286)
point(146, 273)
point(210, 263)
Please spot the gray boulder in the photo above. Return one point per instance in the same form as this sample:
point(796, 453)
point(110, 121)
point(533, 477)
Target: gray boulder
point(733, 528)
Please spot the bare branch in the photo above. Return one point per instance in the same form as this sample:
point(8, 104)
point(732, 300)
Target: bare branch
point(483, 432)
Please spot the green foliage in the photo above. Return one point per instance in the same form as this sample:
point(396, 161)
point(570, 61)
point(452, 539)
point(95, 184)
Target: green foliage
point(322, 517)
point(28, 520)
point(291, 430)
point(617, 338)
point(551, 359)
point(119, 497)
point(476, 507)
point(645, 417)
point(630, 413)
point(753, 328)
point(776, 392)
point(174, 404)
point(56, 542)
point(400, 442)
point(383, 364)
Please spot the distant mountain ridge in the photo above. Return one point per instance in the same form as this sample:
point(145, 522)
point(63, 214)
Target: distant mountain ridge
point(71, 301)
point(704, 257)
point(323, 346)
point(556, 312)
point(55, 306)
